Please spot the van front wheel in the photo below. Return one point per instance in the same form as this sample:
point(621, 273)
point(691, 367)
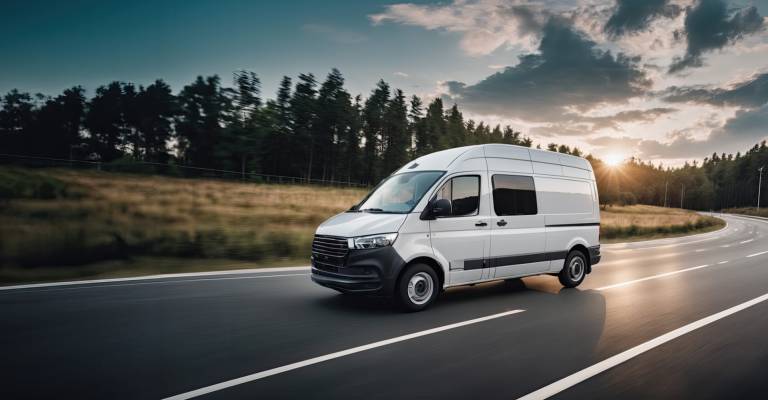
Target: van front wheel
point(417, 288)
point(574, 269)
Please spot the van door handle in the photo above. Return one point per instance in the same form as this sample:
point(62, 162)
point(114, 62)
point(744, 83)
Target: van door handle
point(481, 223)
point(501, 223)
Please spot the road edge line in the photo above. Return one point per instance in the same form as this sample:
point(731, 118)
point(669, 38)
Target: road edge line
point(156, 276)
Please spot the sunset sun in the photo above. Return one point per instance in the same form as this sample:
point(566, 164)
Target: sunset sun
point(613, 160)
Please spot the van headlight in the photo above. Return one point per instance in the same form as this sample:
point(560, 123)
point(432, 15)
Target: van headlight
point(372, 241)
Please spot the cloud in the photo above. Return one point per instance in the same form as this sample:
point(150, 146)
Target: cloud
point(484, 25)
point(579, 125)
point(569, 73)
point(737, 134)
point(632, 16)
point(400, 74)
point(334, 34)
point(710, 25)
point(750, 93)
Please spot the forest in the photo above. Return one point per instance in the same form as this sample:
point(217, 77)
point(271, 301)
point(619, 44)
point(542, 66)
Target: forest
point(317, 129)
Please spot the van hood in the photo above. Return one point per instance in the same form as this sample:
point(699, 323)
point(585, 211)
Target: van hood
point(350, 224)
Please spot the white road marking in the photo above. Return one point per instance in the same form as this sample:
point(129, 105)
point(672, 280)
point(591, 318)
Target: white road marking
point(338, 354)
point(647, 278)
point(700, 250)
point(757, 254)
point(726, 245)
point(159, 276)
point(746, 241)
point(722, 262)
point(586, 373)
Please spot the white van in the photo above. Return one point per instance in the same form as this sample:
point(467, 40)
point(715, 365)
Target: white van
point(463, 216)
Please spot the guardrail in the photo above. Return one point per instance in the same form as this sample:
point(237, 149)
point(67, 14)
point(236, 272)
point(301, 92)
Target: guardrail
point(175, 170)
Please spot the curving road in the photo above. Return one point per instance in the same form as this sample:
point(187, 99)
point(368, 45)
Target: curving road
point(672, 318)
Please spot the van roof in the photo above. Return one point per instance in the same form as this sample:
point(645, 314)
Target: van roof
point(446, 159)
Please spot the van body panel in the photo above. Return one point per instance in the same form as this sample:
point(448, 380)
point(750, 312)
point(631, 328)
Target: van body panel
point(509, 165)
point(547, 169)
point(506, 151)
point(477, 247)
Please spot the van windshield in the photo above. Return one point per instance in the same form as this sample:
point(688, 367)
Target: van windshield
point(399, 193)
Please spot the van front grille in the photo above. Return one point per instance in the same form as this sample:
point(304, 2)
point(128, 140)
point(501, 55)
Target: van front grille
point(329, 250)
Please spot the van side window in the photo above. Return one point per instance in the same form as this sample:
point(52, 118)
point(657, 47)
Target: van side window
point(464, 194)
point(514, 195)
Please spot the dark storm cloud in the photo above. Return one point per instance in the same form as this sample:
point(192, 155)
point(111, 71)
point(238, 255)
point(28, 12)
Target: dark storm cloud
point(632, 15)
point(710, 25)
point(750, 93)
point(568, 71)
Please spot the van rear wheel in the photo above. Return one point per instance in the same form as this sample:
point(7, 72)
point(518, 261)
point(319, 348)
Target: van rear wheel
point(417, 288)
point(574, 269)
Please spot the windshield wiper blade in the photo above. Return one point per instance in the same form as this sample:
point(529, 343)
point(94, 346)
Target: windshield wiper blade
point(372, 210)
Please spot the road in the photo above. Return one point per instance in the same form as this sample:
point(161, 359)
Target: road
point(157, 338)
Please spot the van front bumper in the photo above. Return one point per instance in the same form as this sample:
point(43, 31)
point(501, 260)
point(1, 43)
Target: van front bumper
point(369, 271)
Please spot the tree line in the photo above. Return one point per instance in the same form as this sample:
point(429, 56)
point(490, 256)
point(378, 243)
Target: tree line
point(310, 129)
point(318, 130)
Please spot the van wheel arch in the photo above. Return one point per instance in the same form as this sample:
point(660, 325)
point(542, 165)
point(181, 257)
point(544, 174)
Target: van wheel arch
point(432, 263)
point(583, 250)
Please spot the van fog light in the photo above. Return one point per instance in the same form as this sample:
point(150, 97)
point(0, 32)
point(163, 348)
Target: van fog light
point(374, 241)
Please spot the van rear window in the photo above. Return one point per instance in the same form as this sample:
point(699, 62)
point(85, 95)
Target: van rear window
point(514, 195)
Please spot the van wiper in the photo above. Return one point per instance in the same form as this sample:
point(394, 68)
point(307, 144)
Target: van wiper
point(372, 210)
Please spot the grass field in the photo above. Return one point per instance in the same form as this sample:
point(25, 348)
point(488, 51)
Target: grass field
point(64, 224)
point(641, 222)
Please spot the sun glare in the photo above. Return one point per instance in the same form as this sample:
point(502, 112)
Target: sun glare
point(613, 160)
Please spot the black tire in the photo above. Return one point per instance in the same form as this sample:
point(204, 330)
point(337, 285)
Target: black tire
point(574, 269)
point(425, 289)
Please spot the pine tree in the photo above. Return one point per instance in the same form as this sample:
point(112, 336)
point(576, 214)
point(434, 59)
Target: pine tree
point(395, 134)
point(304, 117)
point(373, 122)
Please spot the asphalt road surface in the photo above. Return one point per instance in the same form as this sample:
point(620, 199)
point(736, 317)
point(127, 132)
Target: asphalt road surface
point(673, 318)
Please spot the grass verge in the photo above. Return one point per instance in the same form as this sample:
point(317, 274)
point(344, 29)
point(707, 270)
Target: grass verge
point(68, 224)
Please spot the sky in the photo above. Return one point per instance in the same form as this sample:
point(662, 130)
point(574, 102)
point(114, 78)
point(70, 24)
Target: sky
point(664, 80)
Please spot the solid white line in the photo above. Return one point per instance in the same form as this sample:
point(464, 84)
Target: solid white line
point(722, 262)
point(586, 373)
point(647, 278)
point(161, 282)
point(331, 356)
point(158, 276)
point(757, 254)
point(746, 241)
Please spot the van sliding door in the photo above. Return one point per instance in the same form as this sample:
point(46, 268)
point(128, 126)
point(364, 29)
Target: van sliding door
point(517, 230)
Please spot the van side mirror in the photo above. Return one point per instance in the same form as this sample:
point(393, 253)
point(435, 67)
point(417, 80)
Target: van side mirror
point(437, 208)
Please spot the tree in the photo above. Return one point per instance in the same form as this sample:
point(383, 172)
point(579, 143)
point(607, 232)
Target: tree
point(157, 107)
point(435, 127)
point(334, 117)
point(455, 130)
point(58, 125)
point(106, 122)
point(16, 120)
point(199, 125)
point(395, 134)
point(276, 122)
point(373, 124)
point(304, 117)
